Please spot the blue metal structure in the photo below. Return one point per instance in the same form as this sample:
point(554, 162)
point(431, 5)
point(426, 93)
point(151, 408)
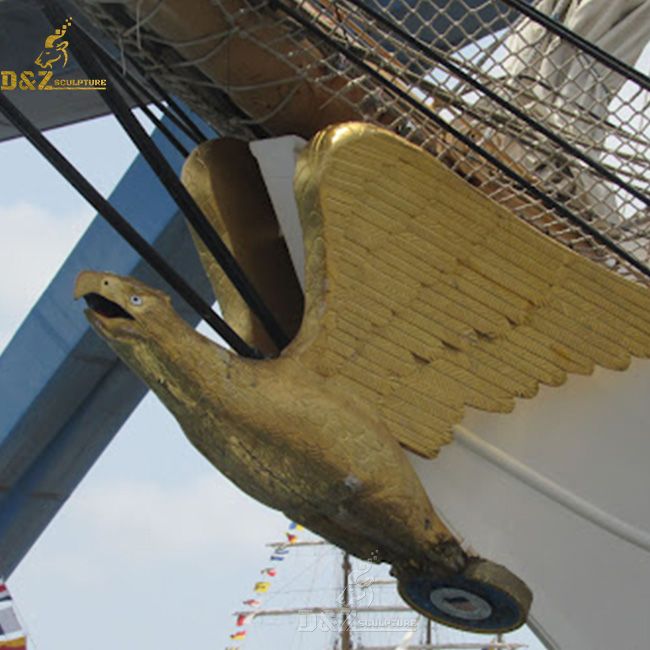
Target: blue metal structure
point(63, 393)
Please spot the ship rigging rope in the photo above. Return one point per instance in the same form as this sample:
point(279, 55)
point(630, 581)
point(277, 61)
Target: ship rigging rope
point(170, 107)
point(166, 105)
point(517, 112)
point(124, 228)
point(534, 191)
point(177, 190)
point(198, 137)
point(89, 58)
point(130, 89)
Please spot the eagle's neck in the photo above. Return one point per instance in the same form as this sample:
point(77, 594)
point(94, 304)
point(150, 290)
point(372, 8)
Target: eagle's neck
point(184, 368)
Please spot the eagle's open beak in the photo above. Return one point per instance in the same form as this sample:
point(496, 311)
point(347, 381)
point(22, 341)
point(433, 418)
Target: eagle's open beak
point(87, 282)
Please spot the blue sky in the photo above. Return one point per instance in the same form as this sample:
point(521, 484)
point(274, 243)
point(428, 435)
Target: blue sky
point(155, 549)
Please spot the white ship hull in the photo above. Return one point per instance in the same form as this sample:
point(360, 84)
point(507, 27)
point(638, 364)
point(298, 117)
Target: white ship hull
point(559, 491)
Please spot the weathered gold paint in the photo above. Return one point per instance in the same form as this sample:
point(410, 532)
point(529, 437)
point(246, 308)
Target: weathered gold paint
point(425, 297)
point(422, 297)
point(278, 431)
point(224, 179)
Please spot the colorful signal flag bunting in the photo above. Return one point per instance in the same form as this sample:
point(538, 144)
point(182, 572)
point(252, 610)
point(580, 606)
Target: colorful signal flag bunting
point(252, 602)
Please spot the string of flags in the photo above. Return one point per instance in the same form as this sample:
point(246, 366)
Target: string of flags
point(12, 635)
point(279, 554)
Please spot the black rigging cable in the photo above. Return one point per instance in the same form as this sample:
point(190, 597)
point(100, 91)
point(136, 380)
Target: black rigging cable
point(172, 108)
point(89, 60)
point(583, 44)
point(126, 82)
point(166, 104)
point(122, 226)
point(511, 108)
point(466, 140)
point(256, 129)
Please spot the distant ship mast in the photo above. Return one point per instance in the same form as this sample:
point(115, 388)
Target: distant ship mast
point(346, 610)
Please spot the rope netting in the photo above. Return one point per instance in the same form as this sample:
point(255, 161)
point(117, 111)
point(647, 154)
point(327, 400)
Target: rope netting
point(537, 122)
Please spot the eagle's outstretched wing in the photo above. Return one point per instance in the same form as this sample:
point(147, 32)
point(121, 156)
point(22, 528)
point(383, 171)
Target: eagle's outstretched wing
point(423, 296)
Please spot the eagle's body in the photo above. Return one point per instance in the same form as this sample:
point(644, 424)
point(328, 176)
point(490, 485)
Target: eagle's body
point(279, 432)
point(422, 297)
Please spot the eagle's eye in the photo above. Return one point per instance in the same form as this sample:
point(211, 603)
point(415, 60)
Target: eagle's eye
point(136, 300)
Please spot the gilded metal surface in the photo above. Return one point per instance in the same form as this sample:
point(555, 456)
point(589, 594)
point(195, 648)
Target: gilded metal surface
point(422, 297)
point(277, 430)
point(224, 179)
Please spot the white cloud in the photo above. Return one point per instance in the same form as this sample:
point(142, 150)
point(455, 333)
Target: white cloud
point(151, 522)
point(34, 244)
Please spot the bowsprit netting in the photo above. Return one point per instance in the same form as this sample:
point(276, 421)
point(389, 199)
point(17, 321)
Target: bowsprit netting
point(535, 119)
